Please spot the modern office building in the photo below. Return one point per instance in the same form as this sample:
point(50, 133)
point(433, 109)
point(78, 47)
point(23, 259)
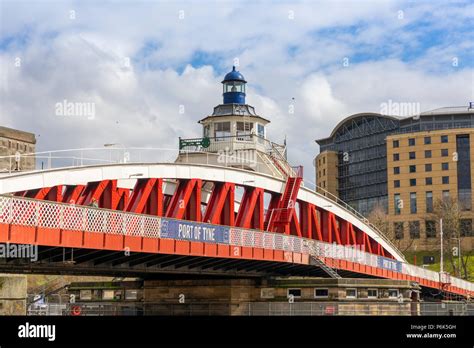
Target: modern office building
point(403, 165)
point(14, 145)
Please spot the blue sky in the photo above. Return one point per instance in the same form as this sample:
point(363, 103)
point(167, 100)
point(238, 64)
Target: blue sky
point(140, 61)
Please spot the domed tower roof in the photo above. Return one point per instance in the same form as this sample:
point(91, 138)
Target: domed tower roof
point(234, 88)
point(234, 75)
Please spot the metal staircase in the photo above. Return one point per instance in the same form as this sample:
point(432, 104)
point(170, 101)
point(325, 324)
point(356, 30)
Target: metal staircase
point(281, 215)
point(316, 259)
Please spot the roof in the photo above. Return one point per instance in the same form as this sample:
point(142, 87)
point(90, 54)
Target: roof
point(448, 110)
point(234, 75)
point(234, 110)
point(356, 116)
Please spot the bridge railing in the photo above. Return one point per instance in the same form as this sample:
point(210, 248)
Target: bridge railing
point(344, 205)
point(30, 212)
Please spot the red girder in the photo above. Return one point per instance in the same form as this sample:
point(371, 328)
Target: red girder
point(251, 209)
point(186, 201)
point(72, 193)
point(147, 197)
point(220, 208)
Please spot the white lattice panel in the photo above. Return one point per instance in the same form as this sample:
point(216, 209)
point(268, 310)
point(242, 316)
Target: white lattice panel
point(268, 241)
point(151, 226)
point(115, 222)
point(133, 225)
point(49, 215)
point(74, 218)
point(95, 220)
point(235, 235)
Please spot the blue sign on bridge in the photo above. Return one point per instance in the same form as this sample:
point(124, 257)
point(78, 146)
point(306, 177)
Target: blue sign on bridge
point(390, 264)
point(194, 231)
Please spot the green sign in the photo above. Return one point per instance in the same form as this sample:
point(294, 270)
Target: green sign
point(204, 142)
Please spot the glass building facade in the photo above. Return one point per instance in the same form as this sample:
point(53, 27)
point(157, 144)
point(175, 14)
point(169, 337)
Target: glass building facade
point(362, 163)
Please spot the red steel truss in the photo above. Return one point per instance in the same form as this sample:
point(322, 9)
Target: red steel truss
point(215, 202)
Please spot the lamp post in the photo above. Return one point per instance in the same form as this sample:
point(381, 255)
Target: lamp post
point(111, 145)
point(441, 237)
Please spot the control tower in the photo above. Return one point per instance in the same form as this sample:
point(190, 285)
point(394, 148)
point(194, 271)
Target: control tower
point(234, 135)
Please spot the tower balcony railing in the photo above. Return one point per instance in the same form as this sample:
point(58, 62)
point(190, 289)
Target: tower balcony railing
point(248, 141)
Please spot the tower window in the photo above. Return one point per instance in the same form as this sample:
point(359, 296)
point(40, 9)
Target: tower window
point(411, 142)
point(244, 130)
point(260, 130)
point(221, 129)
point(412, 155)
point(444, 138)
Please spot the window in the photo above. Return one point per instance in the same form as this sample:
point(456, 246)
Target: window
point(445, 166)
point(444, 138)
point(207, 131)
point(466, 227)
point(260, 130)
point(392, 293)
point(244, 130)
point(396, 156)
point(429, 181)
point(429, 201)
point(398, 228)
point(430, 229)
point(351, 293)
point(321, 293)
point(372, 293)
point(445, 194)
point(397, 203)
point(396, 170)
point(444, 152)
point(324, 171)
point(445, 180)
point(324, 160)
point(413, 207)
point(427, 140)
point(412, 182)
point(427, 153)
point(412, 155)
point(412, 169)
point(221, 129)
point(414, 227)
point(107, 294)
point(131, 294)
point(396, 183)
point(411, 142)
point(295, 293)
point(395, 143)
point(85, 295)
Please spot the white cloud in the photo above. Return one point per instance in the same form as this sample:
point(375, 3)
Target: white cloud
point(82, 60)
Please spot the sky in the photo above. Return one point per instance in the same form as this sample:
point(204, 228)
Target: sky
point(152, 69)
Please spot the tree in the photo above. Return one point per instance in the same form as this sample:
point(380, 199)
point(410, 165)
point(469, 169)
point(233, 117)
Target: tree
point(379, 217)
point(449, 210)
